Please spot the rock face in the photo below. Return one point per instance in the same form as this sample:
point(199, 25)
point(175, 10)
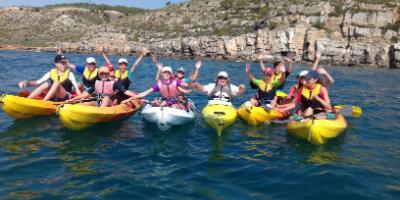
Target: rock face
point(346, 32)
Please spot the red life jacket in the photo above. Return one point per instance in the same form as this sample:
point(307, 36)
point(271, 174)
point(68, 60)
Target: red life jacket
point(169, 90)
point(104, 87)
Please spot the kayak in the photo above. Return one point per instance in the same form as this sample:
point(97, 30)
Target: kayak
point(318, 131)
point(21, 107)
point(166, 117)
point(219, 115)
point(258, 115)
point(77, 116)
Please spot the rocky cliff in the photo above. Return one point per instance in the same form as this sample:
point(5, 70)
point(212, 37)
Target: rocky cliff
point(346, 32)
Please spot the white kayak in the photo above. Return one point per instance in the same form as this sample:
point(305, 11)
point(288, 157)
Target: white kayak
point(166, 117)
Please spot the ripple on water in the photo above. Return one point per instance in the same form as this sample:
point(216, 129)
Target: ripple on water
point(39, 158)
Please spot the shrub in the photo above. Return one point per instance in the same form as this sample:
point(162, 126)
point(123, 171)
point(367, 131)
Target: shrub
point(272, 25)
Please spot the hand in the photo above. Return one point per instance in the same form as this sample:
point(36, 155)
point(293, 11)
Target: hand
point(248, 68)
point(196, 85)
point(59, 52)
point(159, 66)
point(154, 59)
point(198, 64)
point(321, 70)
point(144, 52)
point(260, 57)
point(317, 55)
point(23, 84)
point(241, 88)
point(289, 59)
point(102, 49)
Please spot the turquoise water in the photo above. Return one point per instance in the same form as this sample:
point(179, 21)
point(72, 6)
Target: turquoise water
point(40, 159)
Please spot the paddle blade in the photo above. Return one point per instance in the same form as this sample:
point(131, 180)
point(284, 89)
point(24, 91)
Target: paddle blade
point(281, 94)
point(349, 111)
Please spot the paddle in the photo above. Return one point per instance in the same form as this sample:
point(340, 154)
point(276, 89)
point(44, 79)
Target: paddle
point(349, 111)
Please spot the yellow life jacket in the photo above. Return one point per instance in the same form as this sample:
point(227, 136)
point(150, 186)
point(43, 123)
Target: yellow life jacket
point(121, 76)
point(306, 93)
point(88, 75)
point(263, 86)
point(60, 78)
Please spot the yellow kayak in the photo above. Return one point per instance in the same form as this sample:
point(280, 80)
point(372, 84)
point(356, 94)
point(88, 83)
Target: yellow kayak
point(219, 116)
point(258, 115)
point(21, 107)
point(318, 131)
point(77, 117)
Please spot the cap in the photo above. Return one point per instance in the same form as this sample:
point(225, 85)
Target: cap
point(122, 60)
point(166, 69)
point(104, 69)
point(312, 75)
point(90, 60)
point(269, 71)
point(303, 73)
point(180, 70)
point(60, 58)
point(223, 74)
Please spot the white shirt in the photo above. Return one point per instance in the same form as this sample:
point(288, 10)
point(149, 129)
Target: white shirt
point(46, 77)
point(209, 88)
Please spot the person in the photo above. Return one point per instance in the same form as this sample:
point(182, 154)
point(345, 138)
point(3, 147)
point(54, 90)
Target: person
point(104, 90)
point(122, 74)
point(280, 71)
point(222, 90)
point(266, 89)
point(62, 82)
point(89, 73)
point(169, 89)
point(180, 73)
point(325, 78)
point(312, 98)
point(301, 81)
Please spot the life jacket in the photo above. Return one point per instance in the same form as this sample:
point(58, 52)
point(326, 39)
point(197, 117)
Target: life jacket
point(123, 78)
point(307, 99)
point(266, 91)
point(104, 88)
point(169, 90)
point(89, 78)
point(276, 80)
point(63, 79)
point(217, 93)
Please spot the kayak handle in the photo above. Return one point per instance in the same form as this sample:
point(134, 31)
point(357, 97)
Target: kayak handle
point(219, 113)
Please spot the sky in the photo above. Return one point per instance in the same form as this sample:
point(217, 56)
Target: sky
point(149, 4)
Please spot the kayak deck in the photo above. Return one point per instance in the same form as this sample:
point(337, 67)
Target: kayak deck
point(77, 117)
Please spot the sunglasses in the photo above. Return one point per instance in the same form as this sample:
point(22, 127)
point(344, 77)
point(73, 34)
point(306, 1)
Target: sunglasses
point(91, 63)
point(104, 74)
point(222, 78)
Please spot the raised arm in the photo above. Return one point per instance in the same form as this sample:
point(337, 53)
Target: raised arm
point(329, 78)
point(159, 68)
point(142, 54)
point(197, 69)
point(316, 61)
point(71, 66)
point(104, 54)
point(260, 59)
point(248, 72)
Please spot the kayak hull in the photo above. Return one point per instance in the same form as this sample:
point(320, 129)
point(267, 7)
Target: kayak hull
point(318, 131)
point(22, 108)
point(166, 117)
point(78, 117)
point(219, 117)
point(258, 115)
